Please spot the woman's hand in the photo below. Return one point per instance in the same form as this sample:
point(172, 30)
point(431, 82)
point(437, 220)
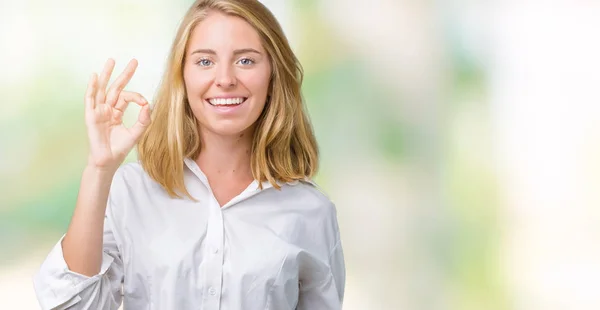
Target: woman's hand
point(110, 141)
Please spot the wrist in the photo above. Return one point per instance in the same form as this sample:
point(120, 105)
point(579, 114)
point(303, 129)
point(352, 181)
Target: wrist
point(101, 167)
point(100, 171)
point(97, 179)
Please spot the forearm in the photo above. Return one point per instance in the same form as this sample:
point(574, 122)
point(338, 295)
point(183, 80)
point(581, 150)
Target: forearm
point(82, 245)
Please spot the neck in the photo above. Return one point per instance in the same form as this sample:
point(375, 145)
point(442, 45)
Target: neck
point(226, 156)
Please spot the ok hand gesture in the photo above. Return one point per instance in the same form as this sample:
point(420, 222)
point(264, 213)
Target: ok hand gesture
point(110, 141)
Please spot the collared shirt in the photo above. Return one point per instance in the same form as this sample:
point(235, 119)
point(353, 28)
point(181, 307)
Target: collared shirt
point(264, 249)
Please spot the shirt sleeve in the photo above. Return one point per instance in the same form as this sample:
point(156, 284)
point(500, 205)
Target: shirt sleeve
point(59, 288)
point(328, 293)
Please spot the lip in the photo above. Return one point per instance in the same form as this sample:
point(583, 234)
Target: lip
point(225, 97)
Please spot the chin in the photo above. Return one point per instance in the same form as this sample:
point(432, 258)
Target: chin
point(228, 128)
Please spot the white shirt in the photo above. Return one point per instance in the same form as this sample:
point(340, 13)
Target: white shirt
point(265, 249)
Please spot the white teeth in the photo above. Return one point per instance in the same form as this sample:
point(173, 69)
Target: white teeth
point(228, 101)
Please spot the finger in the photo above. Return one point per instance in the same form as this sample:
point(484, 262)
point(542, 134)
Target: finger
point(119, 84)
point(90, 92)
point(142, 123)
point(103, 80)
point(125, 97)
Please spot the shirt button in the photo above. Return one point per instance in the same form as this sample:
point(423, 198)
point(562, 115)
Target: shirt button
point(215, 250)
point(212, 291)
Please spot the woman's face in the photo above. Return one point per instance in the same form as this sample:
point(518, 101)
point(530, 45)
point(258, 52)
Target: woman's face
point(227, 74)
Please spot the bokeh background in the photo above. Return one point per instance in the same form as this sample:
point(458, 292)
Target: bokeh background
point(460, 139)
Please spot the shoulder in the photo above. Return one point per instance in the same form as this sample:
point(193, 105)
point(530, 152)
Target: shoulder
point(130, 172)
point(318, 216)
point(131, 180)
point(309, 195)
point(313, 204)
point(131, 176)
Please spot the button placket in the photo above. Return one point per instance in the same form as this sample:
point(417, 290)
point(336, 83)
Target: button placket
point(214, 259)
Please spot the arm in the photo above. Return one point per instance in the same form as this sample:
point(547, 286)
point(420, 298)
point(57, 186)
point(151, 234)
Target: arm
point(82, 245)
point(323, 274)
point(84, 270)
point(58, 286)
point(327, 293)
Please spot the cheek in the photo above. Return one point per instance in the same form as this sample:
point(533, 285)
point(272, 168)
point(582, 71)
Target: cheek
point(257, 82)
point(196, 82)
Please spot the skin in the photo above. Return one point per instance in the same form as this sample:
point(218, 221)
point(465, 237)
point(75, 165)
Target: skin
point(225, 58)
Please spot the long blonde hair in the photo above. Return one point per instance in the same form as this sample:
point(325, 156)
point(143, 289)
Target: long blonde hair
point(284, 147)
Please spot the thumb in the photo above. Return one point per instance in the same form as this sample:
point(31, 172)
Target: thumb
point(142, 123)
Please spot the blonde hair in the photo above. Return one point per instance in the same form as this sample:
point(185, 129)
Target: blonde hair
point(284, 147)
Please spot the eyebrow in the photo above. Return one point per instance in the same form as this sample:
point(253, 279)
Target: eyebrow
point(236, 52)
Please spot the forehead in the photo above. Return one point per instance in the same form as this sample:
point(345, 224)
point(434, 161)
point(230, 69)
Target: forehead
point(220, 32)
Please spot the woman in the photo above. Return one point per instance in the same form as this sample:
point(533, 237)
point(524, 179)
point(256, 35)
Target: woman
point(220, 212)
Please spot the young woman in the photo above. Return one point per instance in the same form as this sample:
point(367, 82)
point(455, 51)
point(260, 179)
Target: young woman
point(220, 212)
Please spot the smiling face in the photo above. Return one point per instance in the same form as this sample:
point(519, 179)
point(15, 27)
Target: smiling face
point(226, 74)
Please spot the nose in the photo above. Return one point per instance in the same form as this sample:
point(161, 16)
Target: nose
point(225, 77)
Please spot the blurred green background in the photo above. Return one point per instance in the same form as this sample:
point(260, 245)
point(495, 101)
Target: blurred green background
point(459, 141)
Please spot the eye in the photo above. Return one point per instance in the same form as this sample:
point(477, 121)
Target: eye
point(246, 61)
point(204, 62)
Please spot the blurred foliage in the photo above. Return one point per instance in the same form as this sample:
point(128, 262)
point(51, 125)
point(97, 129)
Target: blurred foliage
point(343, 104)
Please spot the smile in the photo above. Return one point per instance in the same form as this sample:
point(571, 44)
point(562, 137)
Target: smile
point(233, 101)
